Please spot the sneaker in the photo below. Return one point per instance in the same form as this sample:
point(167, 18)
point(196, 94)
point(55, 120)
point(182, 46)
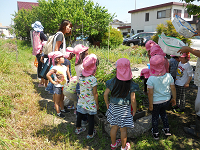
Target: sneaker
point(40, 85)
point(70, 107)
point(166, 132)
point(78, 131)
point(128, 146)
point(118, 143)
point(155, 136)
point(94, 133)
point(75, 112)
point(180, 111)
point(61, 115)
point(65, 111)
point(84, 123)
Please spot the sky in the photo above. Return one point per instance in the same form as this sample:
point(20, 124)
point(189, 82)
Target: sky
point(119, 7)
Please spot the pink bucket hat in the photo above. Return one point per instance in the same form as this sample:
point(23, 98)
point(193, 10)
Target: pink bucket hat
point(149, 44)
point(145, 72)
point(186, 55)
point(157, 65)
point(54, 55)
point(70, 49)
point(89, 65)
point(79, 49)
point(123, 69)
point(156, 50)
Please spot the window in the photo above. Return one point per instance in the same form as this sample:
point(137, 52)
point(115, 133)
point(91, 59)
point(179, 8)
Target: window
point(164, 14)
point(146, 16)
point(138, 31)
point(186, 15)
point(177, 12)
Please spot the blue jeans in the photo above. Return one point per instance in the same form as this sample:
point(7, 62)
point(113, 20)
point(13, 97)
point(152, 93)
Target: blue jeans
point(159, 109)
point(85, 117)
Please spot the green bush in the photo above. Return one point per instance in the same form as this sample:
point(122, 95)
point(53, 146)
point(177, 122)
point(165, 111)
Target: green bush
point(169, 30)
point(115, 38)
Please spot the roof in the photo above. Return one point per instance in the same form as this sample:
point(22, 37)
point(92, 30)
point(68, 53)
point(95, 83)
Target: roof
point(25, 5)
point(124, 27)
point(157, 6)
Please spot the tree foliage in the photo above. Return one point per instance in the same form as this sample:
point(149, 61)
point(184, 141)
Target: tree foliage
point(191, 8)
point(87, 18)
point(169, 30)
point(115, 38)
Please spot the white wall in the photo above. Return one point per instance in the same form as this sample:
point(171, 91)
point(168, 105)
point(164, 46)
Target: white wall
point(138, 19)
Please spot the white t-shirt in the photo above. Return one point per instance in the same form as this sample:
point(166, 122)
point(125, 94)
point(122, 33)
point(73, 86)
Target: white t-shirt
point(184, 71)
point(78, 70)
point(60, 70)
point(197, 73)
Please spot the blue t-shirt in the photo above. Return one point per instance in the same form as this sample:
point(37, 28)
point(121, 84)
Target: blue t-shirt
point(66, 63)
point(121, 101)
point(161, 87)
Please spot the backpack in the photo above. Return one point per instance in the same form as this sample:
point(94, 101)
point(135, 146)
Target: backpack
point(47, 48)
point(50, 45)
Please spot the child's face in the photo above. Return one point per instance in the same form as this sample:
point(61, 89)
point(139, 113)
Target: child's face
point(60, 60)
point(183, 60)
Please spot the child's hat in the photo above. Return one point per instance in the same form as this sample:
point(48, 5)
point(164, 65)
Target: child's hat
point(54, 55)
point(70, 49)
point(149, 44)
point(187, 55)
point(156, 50)
point(37, 26)
point(89, 65)
point(157, 65)
point(145, 72)
point(79, 49)
point(123, 69)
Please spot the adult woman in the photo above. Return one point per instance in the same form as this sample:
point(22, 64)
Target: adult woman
point(59, 40)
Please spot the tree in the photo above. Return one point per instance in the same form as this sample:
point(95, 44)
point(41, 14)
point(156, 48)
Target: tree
point(115, 38)
point(83, 14)
point(191, 8)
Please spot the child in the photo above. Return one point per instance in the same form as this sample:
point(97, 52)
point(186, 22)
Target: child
point(88, 99)
point(148, 46)
point(159, 94)
point(59, 73)
point(173, 65)
point(183, 78)
point(122, 90)
point(81, 52)
point(40, 64)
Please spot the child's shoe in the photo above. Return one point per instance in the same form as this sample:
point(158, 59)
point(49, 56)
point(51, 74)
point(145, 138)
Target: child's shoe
point(61, 115)
point(180, 111)
point(166, 132)
point(118, 143)
point(70, 107)
point(127, 147)
point(94, 133)
point(40, 85)
point(78, 131)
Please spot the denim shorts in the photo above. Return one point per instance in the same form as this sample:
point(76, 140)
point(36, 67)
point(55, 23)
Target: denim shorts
point(57, 90)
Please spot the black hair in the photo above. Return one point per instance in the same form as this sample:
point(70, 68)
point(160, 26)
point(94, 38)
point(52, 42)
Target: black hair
point(81, 57)
point(121, 88)
point(175, 57)
point(63, 25)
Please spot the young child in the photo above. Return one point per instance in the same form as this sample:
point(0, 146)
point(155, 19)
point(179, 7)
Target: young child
point(88, 99)
point(122, 97)
point(81, 52)
point(148, 46)
point(183, 78)
point(59, 73)
point(173, 65)
point(160, 85)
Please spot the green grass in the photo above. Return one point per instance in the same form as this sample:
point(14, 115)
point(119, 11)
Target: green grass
point(25, 125)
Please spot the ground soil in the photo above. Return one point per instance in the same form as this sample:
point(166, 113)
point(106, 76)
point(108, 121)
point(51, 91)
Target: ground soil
point(177, 121)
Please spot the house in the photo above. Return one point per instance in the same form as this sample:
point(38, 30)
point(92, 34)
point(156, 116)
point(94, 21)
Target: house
point(146, 19)
point(4, 32)
point(25, 5)
point(125, 28)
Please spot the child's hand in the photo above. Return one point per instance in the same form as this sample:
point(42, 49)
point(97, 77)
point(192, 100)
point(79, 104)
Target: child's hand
point(151, 107)
point(186, 85)
point(60, 77)
point(107, 105)
point(173, 101)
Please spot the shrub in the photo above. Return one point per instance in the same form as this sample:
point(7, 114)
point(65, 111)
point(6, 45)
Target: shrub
point(169, 30)
point(115, 38)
